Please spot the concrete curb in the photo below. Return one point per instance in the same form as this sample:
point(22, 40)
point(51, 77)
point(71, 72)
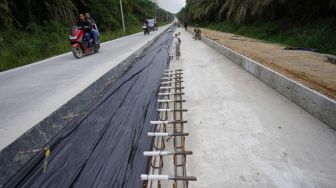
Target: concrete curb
point(38, 136)
point(310, 100)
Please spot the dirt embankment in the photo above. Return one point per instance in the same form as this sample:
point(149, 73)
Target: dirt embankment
point(311, 69)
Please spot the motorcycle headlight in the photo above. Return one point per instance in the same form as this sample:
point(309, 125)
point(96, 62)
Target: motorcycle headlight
point(73, 37)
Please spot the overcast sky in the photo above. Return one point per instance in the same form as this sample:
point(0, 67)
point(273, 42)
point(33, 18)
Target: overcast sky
point(172, 6)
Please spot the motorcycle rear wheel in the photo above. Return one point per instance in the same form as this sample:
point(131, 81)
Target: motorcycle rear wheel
point(77, 52)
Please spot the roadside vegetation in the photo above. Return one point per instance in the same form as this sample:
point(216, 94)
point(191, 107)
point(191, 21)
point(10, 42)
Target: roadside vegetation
point(318, 34)
point(301, 23)
point(34, 30)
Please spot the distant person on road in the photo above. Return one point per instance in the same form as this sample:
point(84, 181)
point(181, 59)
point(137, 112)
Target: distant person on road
point(178, 44)
point(197, 33)
point(172, 52)
point(185, 25)
point(175, 48)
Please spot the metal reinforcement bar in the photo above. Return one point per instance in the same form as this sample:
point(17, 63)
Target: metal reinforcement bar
point(172, 73)
point(168, 122)
point(167, 134)
point(172, 82)
point(169, 100)
point(177, 70)
point(170, 87)
point(171, 78)
point(146, 177)
point(170, 94)
point(165, 153)
point(172, 110)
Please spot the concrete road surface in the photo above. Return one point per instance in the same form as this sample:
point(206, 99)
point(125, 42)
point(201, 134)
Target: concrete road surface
point(245, 134)
point(30, 93)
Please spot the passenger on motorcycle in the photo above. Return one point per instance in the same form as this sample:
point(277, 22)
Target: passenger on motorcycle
point(86, 26)
point(94, 27)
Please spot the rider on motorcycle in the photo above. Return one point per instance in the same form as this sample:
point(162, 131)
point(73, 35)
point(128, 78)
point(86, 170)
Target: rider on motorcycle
point(87, 27)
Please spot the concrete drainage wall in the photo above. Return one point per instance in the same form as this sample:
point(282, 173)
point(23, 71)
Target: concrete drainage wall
point(313, 102)
point(37, 137)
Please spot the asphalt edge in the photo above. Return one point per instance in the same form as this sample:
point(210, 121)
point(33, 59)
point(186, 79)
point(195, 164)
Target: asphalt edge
point(315, 103)
point(40, 134)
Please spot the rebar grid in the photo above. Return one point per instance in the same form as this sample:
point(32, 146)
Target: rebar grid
point(171, 116)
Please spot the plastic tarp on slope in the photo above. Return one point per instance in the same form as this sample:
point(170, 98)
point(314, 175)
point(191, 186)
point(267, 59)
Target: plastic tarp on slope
point(104, 148)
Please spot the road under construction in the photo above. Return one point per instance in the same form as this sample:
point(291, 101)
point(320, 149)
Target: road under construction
point(201, 121)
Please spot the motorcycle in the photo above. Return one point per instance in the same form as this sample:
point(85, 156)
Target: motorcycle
point(146, 29)
point(78, 43)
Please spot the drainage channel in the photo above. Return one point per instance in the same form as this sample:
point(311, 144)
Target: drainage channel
point(103, 147)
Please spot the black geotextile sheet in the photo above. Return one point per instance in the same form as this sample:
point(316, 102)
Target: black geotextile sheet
point(105, 147)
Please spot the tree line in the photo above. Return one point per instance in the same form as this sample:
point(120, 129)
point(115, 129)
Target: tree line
point(244, 11)
point(21, 14)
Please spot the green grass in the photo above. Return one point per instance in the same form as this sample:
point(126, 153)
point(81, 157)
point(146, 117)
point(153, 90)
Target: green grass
point(316, 34)
point(18, 48)
point(110, 35)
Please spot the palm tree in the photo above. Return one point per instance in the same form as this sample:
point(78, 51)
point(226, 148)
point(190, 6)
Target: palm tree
point(241, 11)
point(5, 14)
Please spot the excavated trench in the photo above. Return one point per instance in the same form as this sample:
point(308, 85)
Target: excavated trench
point(102, 147)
